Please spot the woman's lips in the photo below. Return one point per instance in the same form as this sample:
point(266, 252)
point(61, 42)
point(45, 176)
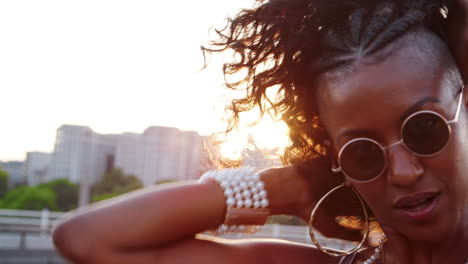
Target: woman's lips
point(419, 206)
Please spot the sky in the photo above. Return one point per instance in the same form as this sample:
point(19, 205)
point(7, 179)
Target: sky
point(115, 66)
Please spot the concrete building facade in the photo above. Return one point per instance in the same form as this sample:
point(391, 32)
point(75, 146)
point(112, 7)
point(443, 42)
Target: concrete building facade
point(80, 153)
point(15, 171)
point(36, 167)
point(159, 154)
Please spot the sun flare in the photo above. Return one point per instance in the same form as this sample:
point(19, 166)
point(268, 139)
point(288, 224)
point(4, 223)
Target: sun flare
point(268, 135)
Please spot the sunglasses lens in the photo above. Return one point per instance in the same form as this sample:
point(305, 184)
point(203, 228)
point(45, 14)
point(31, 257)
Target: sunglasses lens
point(426, 133)
point(362, 160)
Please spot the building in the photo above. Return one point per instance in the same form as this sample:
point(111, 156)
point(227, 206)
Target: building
point(189, 157)
point(81, 153)
point(15, 171)
point(81, 156)
point(159, 154)
point(129, 155)
point(36, 167)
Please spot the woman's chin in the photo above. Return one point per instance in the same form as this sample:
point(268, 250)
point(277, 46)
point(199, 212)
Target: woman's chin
point(429, 223)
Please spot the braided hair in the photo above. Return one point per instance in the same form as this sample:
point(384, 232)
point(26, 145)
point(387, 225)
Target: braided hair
point(288, 44)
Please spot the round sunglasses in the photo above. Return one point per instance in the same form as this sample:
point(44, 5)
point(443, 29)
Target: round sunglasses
point(424, 133)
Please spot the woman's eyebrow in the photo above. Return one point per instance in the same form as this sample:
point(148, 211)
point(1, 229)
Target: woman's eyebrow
point(355, 133)
point(372, 134)
point(417, 106)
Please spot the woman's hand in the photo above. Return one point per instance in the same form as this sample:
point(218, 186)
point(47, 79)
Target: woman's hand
point(295, 190)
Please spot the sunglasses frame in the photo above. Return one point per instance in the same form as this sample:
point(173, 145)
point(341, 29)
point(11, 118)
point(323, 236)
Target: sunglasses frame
point(384, 148)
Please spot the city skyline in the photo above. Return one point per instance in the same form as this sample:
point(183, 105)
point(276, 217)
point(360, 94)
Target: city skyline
point(234, 144)
point(116, 66)
point(93, 130)
point(159, 154)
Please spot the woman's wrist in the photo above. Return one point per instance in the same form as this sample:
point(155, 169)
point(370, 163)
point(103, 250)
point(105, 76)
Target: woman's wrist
point(214, 187)
point(245, 198)
point(287, 191)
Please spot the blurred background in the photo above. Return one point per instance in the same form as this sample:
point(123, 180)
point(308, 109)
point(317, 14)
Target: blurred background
point(99, 98)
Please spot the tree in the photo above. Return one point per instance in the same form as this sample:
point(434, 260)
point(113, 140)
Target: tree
point(114, 183)
point(29, 198)
point(66, 193)
point(4, 181)
point(57, 195)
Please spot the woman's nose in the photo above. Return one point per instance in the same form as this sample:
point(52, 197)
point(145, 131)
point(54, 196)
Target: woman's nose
point(404, 168)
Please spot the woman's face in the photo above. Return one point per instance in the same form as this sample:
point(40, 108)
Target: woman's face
point(422, 198)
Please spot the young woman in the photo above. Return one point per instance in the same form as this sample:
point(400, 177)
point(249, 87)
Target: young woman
point(373, 95)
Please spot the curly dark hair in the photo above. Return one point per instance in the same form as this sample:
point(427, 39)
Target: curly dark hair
point(288, 44)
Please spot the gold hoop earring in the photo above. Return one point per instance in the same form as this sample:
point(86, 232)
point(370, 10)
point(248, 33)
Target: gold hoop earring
point(336, 252)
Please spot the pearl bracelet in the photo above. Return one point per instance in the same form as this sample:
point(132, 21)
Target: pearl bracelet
point(246, 199)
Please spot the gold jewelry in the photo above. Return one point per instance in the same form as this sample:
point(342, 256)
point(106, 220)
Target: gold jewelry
point(336, 252)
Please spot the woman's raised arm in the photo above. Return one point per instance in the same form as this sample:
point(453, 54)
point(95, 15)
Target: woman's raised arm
point(161, 222)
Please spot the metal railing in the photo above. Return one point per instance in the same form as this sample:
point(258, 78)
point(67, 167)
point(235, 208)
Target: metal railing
point(28, 221)
point(25, 236)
